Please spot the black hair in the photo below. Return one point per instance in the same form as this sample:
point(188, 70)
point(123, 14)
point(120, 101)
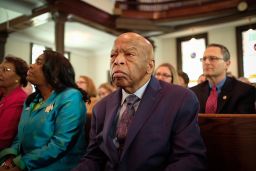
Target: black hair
point(59, 73)
point(184, 76)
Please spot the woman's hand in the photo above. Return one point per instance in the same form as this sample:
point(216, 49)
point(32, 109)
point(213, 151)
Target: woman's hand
point(14, 169)
point(9, 165)
point(3, 169)
point(11, 169)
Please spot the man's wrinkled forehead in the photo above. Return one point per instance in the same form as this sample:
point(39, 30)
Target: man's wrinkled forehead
point(125, 44)
point(135, 42)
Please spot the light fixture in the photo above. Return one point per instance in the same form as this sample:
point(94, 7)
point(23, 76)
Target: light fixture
point(242, 6)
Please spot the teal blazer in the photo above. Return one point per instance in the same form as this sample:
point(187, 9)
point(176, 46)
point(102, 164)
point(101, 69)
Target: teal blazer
point(51, 137)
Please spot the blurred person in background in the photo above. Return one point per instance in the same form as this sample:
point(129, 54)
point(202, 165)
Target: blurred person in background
point(28, 89)
point(229, 74)
point(201, 79)
point(87, 84)
point(183, 79)
point(105, 89)
point(166, 72)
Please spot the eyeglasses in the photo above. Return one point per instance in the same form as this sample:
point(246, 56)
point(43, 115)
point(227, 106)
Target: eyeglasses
point(163, 75)
point(210, 58)
point(81, 82)
point(5, 69)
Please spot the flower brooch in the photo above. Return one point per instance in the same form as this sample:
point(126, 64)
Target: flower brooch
point(49, 108)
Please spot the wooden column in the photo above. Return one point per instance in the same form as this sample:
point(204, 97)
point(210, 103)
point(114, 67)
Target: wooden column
point(3, 38)
point(60, 20)
point(133, 5)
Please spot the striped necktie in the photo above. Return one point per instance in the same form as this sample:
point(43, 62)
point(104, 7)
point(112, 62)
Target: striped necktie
point(126, 119)
point(212, 101)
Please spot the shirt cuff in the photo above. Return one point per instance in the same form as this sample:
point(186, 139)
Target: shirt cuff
point(19, 162)
point(6, 152)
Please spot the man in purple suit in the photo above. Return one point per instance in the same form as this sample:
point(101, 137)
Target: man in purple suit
point(163, 133)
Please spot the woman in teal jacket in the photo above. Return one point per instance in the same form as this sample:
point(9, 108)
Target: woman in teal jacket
point(51, 130)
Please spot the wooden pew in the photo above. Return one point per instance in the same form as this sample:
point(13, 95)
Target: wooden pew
point(230, 140)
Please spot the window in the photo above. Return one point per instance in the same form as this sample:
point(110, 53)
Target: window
point(189, 51)
point(67, 55)
point(246, 51)
point(37, 50)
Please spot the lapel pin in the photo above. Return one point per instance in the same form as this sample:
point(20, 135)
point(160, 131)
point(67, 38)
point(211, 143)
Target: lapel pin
point(49, 108)
point(224, 97)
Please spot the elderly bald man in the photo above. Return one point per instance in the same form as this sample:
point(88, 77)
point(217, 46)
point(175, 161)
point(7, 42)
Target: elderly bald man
point(157, 131)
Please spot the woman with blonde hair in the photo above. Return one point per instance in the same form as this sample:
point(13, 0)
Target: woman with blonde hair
point(105, 89)
point(87, 84)
point(166, 72)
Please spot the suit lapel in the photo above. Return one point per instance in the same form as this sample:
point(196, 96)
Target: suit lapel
point(111, 114)
point(203, 95)
point(225, 94)
point(143, 112)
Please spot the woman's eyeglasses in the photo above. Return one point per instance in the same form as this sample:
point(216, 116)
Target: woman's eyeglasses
point(163, 75)
point(5, 69)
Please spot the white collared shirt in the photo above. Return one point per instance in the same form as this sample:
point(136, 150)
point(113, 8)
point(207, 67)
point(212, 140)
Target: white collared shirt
point(139, 93)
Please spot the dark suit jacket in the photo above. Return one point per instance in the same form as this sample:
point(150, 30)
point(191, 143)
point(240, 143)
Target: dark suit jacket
point(164, 134)
point(235, 96)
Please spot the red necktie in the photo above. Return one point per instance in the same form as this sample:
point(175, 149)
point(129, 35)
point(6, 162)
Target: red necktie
point(212, 101)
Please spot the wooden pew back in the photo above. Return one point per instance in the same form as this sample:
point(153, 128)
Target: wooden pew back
point(230, 140)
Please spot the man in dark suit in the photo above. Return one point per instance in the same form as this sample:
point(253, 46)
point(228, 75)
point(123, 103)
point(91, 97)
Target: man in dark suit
point(233, 96)
point(163, 134)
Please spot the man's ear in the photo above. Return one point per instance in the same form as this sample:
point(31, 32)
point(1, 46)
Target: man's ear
point(228, 63)
point(151, 66)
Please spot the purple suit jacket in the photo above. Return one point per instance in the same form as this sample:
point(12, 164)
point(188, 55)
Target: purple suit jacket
point(164, 134)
